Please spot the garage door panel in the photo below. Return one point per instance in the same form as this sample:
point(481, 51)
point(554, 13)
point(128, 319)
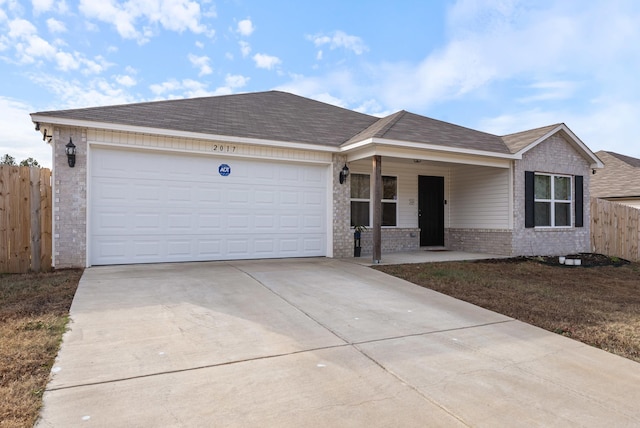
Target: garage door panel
point(178, 222)
point(152, 207)
point(209, 223)
point(238, 197)
point(146, 221)
point(150, 247)
point(210, 248)
point(206, 196)
point(179, 248)
point(312, 244)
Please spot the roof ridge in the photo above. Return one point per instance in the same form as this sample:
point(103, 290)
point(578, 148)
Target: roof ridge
point(629, 160)
point(392, 120)
point(555, 125)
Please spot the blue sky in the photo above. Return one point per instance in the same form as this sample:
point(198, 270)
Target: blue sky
point(500, 66)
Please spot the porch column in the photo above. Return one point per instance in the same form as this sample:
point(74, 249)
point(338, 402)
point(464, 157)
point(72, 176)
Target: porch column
point(377, 209)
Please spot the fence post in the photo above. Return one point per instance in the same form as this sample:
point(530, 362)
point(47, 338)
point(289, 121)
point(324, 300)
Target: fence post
point(34, 182)
point(4, 219)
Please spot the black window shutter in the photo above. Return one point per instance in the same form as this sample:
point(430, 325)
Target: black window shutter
point(529, 198)
point(579, 204)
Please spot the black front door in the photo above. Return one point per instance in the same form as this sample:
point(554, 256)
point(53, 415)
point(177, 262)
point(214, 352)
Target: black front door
point(431, 210)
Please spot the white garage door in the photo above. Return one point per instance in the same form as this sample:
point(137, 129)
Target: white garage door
point(150, 207)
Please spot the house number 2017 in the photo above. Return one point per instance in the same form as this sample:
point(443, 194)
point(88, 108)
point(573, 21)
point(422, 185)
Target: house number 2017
point(223, 148)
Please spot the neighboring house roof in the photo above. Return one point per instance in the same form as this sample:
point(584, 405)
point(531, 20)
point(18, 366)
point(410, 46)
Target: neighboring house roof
point(620, 177)
point(283, 117)
point(634, 162)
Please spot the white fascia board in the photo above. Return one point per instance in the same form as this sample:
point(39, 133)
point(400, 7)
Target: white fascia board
point(180, 134)
point(595, 162)
point(423, 146)
point(445, 157)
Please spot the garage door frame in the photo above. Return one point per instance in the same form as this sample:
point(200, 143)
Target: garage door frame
point(328, 193)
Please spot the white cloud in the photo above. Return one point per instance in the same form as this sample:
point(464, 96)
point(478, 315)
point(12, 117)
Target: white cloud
point(187, 88)
point(199, 44)
point(173, 15)
point(56, 26)
point(340, 39)
point(245, 27)
point(162, 88)
point(202, 63)
point(236, 80)
point(126, 80)
point(266, 61)
point(21, 28)
point(75, 94)
point(41, 6)
point(343, 86)
point(245, 48)
point(509, 43)
point(231, 82)
point(548, 91)
point(66, 61)
point(609, 126)
point(19, 138)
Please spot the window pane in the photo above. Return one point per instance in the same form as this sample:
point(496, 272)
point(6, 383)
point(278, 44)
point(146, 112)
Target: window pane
point(563, 214)
point(543, 213)
point(389, 213)
point(389, 188)
point(359, 213)
point(360, 186)
point(562, 188)
point(543, 187)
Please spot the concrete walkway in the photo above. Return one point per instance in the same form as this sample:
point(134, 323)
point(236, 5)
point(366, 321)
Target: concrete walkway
point(315, 343)
point(423, 256)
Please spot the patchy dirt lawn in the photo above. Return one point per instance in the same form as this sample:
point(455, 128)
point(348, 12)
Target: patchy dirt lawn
point(34, 310)
point(597, 303)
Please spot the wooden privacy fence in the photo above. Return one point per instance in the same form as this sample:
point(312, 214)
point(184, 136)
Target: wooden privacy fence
point(615, 229)
point(25, 219)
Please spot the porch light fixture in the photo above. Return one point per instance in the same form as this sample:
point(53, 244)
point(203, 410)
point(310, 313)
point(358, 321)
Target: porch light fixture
point(70, 149)
point(344, 173)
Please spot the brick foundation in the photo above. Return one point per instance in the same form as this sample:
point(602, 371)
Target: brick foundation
point(393, 241)
point(492, 241)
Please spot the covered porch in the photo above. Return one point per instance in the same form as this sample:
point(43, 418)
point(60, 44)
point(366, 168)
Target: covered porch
point(411, 198)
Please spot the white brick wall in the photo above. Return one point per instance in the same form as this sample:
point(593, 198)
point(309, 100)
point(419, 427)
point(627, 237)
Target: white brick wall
point(556, 156)
point(393, 240)
point(69, 199)
point(491, 241)
point(342, 234)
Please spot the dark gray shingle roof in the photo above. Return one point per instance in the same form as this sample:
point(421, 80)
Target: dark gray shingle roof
point(272, 115)
point(405, 126)
point(633, 162)
point(520, 140)
point(281, 116)
point(620, 176)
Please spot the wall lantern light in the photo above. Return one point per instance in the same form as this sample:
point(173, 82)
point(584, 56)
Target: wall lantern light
point(344, 173)
point(70, 149)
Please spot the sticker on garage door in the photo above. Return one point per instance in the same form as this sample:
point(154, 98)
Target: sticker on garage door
point(224, 170)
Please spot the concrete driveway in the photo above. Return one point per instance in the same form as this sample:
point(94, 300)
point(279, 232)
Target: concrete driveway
point(315, 342)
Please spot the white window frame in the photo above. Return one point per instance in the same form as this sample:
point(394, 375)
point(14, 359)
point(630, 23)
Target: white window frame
point(553, 201)
point(368, 200)
point(391, 201)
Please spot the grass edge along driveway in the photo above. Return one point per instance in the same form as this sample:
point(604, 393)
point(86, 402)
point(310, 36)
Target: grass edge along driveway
point(597, 305)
